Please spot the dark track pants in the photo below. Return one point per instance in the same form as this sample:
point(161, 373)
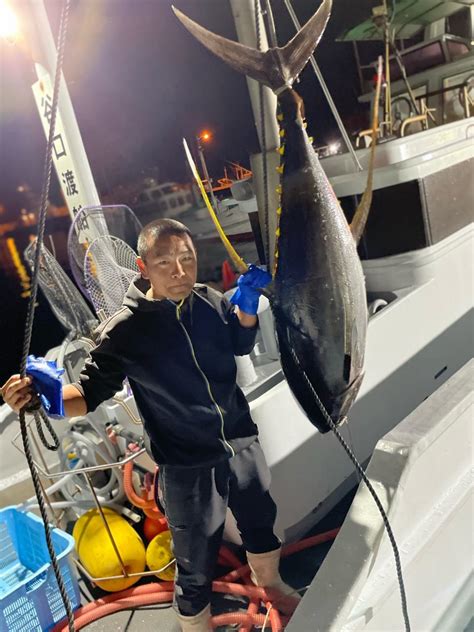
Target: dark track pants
point(195, 502)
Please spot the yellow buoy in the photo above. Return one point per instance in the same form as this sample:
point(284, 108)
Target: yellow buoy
point(97, 554)
point(159, 554)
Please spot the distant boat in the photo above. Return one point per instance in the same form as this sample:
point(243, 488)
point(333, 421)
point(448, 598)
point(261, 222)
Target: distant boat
point(235, 201)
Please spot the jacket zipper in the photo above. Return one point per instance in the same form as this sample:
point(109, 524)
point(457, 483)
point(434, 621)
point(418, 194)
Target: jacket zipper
point(178, 318)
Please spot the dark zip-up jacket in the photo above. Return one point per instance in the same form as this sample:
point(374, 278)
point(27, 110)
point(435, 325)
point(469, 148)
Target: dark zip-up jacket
point(181, 368)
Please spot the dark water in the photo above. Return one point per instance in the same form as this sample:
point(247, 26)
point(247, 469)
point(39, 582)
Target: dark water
point(47, 332)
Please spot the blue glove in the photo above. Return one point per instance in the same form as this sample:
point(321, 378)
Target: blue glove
point(48, 384)
point(248, 291)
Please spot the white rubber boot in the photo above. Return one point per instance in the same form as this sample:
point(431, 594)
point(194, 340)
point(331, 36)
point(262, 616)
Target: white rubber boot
point(200, 622)
point(265, 573)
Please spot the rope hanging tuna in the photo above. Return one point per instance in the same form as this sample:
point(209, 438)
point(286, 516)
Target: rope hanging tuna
point(38, 413)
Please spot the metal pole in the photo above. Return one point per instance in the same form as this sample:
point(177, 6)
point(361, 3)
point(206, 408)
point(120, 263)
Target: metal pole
point(43, 51)
point(243, 13)
point(205, 173)
point(388, 91)
point(106, 525)
point(359, 69)
point(405, 78)
point(270, 23)
point(327, 94)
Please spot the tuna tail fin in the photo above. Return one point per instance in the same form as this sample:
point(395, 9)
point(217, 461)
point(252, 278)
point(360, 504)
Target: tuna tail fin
point(276, 68)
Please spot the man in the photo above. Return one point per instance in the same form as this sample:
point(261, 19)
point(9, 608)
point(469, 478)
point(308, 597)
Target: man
point(175, 341)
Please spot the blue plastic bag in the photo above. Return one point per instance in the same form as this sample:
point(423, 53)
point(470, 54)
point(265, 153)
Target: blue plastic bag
point(48, 384)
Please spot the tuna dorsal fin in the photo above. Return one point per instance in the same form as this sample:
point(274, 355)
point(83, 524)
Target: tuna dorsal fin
point(276, 67)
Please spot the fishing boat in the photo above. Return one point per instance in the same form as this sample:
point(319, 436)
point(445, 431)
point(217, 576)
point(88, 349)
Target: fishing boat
point(417, 259)
point(183, 202)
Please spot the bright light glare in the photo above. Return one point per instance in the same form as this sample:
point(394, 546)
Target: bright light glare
point(333, 148)
point(8, 21)
point(205, 135)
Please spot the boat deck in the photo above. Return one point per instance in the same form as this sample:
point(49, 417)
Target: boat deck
point(297, 570)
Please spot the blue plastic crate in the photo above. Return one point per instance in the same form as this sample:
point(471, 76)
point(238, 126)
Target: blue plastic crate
point(30, 600)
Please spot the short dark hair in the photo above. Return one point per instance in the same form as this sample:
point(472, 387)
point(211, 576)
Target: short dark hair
point(162, 227)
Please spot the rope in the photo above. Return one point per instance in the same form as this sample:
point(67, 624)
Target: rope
point(39, 414)
point(372, 491)
point(263, 144)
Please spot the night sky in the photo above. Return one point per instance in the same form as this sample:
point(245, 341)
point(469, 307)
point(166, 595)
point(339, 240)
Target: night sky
point(139, 83)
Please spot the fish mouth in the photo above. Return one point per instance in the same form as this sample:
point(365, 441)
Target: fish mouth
point(315, 396)
point(345, 399)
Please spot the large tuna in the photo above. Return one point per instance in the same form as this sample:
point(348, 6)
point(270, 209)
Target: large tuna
point(319, 300)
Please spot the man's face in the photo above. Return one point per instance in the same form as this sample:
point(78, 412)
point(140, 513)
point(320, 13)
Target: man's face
point(171, 267)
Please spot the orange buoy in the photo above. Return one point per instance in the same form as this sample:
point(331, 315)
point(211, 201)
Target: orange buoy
point(153, 527)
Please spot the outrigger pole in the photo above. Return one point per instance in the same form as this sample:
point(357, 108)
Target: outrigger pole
point(327, 94)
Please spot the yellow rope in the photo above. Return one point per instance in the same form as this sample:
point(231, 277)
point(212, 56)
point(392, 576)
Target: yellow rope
point(238, 261)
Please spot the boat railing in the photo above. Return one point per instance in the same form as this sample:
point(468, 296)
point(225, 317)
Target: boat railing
point(466, 94)
point(425, 113)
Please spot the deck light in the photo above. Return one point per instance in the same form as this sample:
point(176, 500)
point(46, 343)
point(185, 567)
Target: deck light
point(8, 22)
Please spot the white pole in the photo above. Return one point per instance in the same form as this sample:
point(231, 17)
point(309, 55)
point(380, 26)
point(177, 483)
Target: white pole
point(244, 18)
point(43, 50)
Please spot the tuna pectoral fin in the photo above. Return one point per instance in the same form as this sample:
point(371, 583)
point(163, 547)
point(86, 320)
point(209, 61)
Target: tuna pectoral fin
point(362, 213)
point(276, 67)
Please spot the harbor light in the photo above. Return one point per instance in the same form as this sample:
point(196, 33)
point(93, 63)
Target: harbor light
point(8, 22)
point(205, 136)
point(333, 148)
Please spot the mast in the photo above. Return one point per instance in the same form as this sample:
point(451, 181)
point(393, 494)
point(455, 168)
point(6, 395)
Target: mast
point(243, 12)
point(388, 91)
point(69, 147)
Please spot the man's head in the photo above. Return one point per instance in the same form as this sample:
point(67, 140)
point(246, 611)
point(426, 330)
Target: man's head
point(167, 257)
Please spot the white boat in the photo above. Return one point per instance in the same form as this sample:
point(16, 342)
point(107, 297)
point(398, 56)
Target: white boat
point(183, 203)
point(417, 258)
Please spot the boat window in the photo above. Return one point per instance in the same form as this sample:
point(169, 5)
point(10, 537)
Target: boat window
point(457, 49)
point(417, 60)
point(460, 23)
point(454, 107)
point(394, 208)
point(189, 198)
point(163, 206)
point(156, 194)
point(167, 190)
point(181, 201)
point(172, 203)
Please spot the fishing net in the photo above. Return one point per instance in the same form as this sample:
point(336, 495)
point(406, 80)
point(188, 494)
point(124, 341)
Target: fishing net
point(109, 267)
point(92, 222)
point(65, 301)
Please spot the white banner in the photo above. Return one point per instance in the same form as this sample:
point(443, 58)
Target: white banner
point(74, 192)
